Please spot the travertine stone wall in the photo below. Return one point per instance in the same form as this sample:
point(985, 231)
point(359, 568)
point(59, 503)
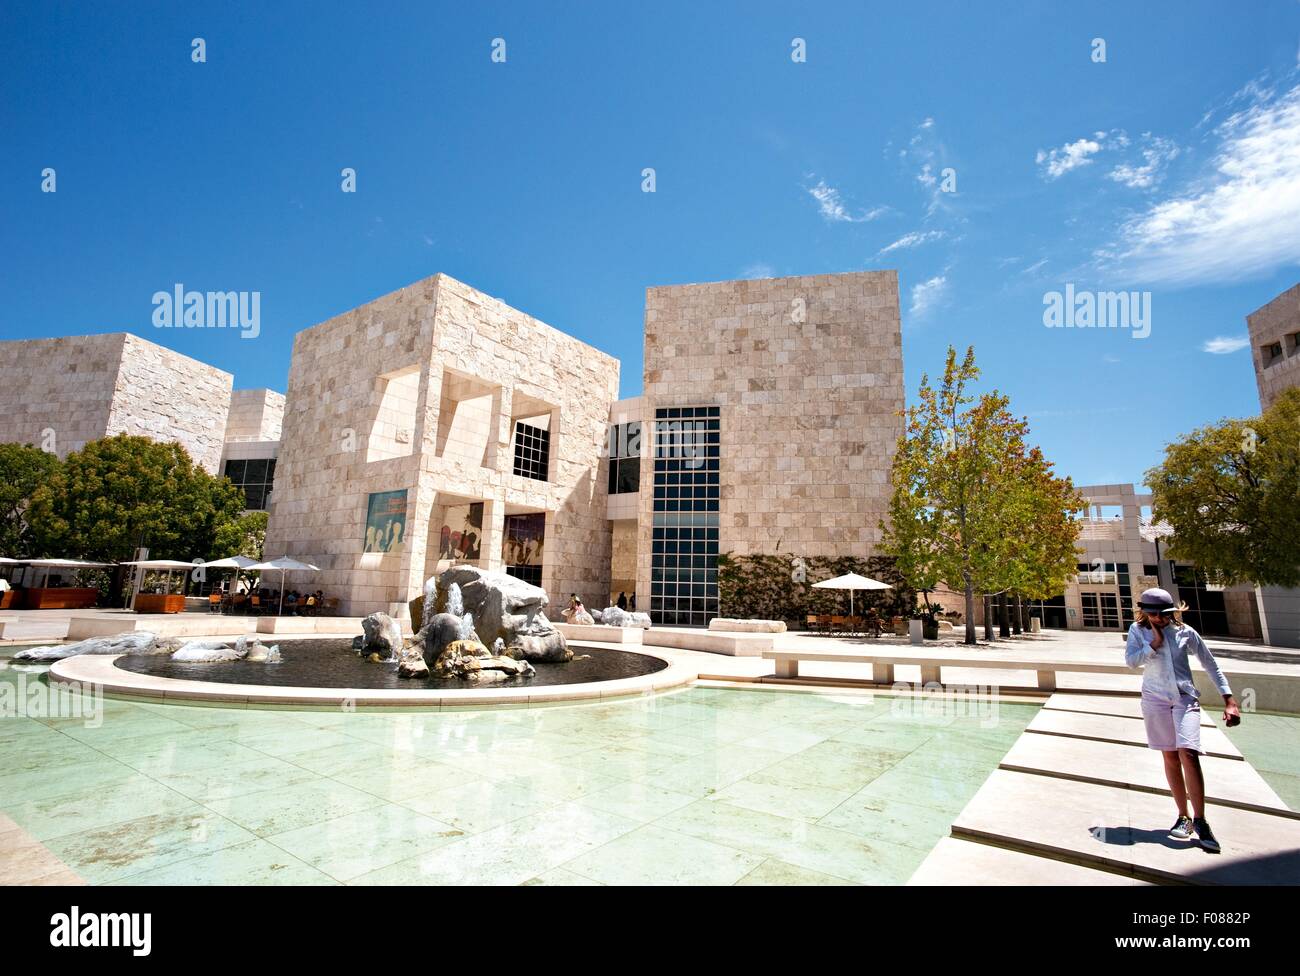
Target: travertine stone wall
point(165, 396)
point(61, 393)
point(1278, 321)
point(450, 334)
point(255, 415)
point(622, 564)
point(808, 373)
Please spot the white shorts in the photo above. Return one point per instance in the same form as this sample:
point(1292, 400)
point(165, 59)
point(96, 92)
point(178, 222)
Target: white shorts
point(1172, 725)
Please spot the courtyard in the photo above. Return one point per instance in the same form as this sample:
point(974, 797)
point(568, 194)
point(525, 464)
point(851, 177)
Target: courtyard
point(731, 780)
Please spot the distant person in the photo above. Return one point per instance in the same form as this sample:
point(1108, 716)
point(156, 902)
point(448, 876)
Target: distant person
point(631, 604)
point(1159, 643)
point(622, 600)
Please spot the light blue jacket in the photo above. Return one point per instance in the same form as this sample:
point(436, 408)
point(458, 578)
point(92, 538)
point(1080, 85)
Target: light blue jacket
point(1167, 673)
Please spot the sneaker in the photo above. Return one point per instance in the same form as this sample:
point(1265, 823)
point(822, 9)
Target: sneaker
point(1206, 836)
point(1182, 829)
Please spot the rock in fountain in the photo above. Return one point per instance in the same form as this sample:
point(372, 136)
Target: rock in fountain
point(132, 642)
point(470, 660)
point(410, 661)
point(382, 637)
point(504, 607)
point(218, 652)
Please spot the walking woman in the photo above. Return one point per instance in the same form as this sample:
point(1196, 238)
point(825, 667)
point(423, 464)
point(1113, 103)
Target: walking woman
point(1159, 643)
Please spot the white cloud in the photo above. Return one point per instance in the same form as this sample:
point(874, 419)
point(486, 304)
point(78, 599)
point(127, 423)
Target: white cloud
point(832, 207)
point(1222, 345)
point(1242, 219)
point(1057, 162)
point(915, 239)
point(1033, 267)
point(928, 294)
point(758, 270)
point(1157, 153)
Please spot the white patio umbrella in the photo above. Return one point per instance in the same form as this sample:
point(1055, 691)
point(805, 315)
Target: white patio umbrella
point(852, 582)
point(284, 564)
point(168, 566)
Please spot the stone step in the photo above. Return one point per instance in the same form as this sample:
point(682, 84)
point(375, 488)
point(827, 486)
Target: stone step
point(1124, 707)
point(965, 863)
point(1126, 830)
point(1126, 731)
point(1227, 782)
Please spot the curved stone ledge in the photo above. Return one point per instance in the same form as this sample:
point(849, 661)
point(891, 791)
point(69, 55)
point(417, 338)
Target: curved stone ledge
point(99, 670)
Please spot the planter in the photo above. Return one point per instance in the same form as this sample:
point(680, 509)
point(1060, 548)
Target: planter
point(930, 629)
point(59, 598)
point(6, 599)
point(159, 603)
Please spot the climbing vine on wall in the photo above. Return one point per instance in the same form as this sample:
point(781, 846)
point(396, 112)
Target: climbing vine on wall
point(780, 587)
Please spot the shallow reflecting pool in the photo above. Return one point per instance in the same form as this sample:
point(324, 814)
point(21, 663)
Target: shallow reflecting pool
point(707, 786)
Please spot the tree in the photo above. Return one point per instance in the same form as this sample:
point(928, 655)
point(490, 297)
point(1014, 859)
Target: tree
point(122, 492)
point(972, 505)
point(23, 469)
point(1230, 491)
point(245, 535)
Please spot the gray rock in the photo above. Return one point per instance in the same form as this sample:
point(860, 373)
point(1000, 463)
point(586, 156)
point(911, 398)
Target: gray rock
point(382, 635)
point(208, 652)
point(615, 617)
point(541, 647)
point(410, 662)
point(442, 629)
point(503, 606)
point(474, 662)
point(132, 642)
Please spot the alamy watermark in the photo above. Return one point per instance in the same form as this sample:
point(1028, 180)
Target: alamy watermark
point(59, 699)
point(1075, 309)
point(181, 309)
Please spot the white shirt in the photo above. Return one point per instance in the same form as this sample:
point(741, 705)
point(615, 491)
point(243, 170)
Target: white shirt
point(1167, 672)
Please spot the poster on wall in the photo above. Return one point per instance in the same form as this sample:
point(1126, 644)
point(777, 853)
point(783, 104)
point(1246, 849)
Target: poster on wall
point(386, 521)
point(524, 538)
point(461, 536)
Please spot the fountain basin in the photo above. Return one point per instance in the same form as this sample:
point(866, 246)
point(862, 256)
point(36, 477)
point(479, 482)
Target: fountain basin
point(354, 682)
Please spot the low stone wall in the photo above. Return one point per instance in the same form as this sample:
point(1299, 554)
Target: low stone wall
point(747, 626)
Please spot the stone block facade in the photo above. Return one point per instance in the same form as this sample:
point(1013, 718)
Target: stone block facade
point(1275, 345)
point(807, 376)
point(419, 391)
point(60, 393)
point(255, 415)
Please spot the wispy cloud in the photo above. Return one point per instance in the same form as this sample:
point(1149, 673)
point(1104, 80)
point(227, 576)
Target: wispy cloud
point(1241, 219)
point(1055, 163)
point(831, 206)
point(758, 270)
point(1157, 154)
point(927, 295)
point(1222, 345)
point(915, 239)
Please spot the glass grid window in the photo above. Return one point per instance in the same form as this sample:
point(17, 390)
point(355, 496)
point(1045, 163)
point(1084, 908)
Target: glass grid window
point(624, 458)
point(255, 477)
point(532, 451)
point(684, 541)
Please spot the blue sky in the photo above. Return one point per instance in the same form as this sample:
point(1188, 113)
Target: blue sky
point(1172, 167)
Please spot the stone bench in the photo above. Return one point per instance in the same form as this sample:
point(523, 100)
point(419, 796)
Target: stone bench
point(883, 664)
point(747, 626)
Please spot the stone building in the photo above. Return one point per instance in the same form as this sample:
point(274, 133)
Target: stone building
point(1275, 351)
point(775, 406)
point(60, 393)
point(437, 425)
point(1275, 345)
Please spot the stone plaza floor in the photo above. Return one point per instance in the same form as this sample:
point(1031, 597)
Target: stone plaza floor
point(708, 785)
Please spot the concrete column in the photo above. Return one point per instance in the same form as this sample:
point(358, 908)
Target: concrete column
point(500, 454)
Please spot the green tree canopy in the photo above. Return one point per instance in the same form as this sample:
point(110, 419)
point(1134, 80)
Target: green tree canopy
point(242, 536)
point(1230, 491)
point(122, 492)
point(23, 469)
point(973, 506)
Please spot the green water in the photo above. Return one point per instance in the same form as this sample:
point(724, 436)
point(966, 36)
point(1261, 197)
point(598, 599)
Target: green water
point(704, 786)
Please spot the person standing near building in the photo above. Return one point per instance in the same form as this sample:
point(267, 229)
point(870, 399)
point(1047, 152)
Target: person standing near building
point(1159, 643)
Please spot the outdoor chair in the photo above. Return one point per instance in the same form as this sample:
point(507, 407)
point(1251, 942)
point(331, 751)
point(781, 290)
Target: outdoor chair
point(214, 603)
point(812, 622)
point(824, 623)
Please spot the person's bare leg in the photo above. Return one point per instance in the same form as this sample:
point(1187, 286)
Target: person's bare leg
point(1174, 775)
point(1190, 764)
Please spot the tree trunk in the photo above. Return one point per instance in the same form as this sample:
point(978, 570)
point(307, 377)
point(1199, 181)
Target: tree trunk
point(1015, 614)
point(988, 618)
point(1025, 625)
point(970, 613)
point(1004, 624)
